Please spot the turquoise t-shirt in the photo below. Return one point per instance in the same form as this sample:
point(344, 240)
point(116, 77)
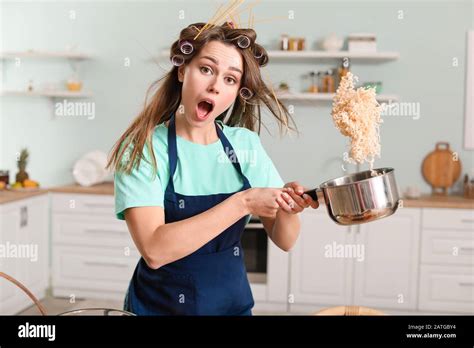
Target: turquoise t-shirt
point(201, 169)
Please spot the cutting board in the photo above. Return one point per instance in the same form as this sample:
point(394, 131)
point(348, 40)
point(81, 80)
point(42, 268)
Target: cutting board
point(441, 168)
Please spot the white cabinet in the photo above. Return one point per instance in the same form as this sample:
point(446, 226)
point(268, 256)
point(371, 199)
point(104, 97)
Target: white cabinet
point(388, 276)
point(447, 262)
point(317, 276)
point(277, 274)
point(374, 264)
point(24, 239)
point(10, 225)
point(417, 260)
point(447, 289)
point(93, 253)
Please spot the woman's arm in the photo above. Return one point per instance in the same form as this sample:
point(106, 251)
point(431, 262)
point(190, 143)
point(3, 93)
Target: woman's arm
point(284, 228)
point(161, 243)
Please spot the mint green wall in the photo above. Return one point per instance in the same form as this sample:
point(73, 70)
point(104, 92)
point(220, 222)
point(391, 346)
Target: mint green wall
point(428, 37)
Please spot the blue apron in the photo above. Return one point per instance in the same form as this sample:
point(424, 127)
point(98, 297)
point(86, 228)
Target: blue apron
point(210, 281)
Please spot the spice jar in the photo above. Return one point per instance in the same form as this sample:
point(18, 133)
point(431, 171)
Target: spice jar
point(301, 44)
point(293, 44)
point(284, 42)
point(5, 176)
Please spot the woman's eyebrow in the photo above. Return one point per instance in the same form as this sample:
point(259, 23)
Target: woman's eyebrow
point(215, 61)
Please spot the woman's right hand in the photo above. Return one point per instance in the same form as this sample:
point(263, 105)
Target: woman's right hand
point(262, 201)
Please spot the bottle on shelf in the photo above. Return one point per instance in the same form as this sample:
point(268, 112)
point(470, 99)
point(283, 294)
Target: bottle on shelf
point(343, 69)
point(320, 76)
point(284, 42)
point(313, 88)
point(328, 82)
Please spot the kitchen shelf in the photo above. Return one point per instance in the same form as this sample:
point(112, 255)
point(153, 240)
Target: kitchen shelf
point(367, 56)
point(50, 94)
point(44, 55)
point(326, 96)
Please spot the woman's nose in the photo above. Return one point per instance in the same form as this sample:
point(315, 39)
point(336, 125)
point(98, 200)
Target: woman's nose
point(213, 87)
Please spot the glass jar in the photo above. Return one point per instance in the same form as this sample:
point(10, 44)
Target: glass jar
point(301, 44)
point(293, 44)
point(5, 176)
point(284, 42)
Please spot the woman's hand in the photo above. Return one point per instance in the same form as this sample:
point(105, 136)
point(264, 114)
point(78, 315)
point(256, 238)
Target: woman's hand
point(293, 199)
point(262, 201)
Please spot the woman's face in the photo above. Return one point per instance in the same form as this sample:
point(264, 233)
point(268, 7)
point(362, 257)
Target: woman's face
point(211, 82)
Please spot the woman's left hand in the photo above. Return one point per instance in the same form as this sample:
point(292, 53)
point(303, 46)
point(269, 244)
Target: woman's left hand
point(294, 200)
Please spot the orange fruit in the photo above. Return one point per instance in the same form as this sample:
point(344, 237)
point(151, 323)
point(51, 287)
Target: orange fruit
point(30, 183)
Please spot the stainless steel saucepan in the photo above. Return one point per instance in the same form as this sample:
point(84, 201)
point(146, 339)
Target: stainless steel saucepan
point(360, 197)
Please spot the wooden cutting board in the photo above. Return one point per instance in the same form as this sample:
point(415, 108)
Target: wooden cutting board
point(441, 168)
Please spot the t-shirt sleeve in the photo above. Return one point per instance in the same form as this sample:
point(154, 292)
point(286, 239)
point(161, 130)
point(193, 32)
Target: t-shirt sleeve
point(140, 188)
point(266, 174)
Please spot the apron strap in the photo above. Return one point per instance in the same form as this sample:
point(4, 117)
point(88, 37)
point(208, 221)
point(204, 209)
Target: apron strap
point(173, 153)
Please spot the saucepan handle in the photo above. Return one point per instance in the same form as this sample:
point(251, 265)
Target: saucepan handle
point(313, 193)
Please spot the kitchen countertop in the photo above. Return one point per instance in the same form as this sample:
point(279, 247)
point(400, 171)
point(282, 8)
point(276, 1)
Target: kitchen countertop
point(107, 188)
point(7, 196)
point(430, 201)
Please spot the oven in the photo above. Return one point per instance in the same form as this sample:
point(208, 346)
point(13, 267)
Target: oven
point(255, 247)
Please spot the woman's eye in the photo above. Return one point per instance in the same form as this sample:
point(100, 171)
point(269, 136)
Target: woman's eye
point(206, 70)
point(231, 80)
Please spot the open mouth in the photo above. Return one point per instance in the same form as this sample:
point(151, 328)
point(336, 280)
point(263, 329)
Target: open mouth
point(204, 108)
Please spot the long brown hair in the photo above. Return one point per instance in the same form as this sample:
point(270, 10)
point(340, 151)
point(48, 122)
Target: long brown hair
point(167, 95)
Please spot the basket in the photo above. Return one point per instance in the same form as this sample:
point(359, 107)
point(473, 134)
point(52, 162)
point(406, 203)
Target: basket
point(76, 312)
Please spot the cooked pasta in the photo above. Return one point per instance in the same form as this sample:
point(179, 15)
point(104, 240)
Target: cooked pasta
point(356, 113)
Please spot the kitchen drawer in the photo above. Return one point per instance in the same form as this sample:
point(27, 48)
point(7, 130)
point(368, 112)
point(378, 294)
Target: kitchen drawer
point(94, 230)
point(453, 219)
point(447, 288)
point(83, 203)
point(86, 268)
point(448, 247)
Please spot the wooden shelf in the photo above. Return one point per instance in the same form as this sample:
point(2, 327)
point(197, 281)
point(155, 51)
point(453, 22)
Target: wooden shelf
point(50, 94)
point(367, 56)
point(325, 96)
point(44, 55)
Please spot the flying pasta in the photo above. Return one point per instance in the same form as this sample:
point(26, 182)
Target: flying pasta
point(356, 113)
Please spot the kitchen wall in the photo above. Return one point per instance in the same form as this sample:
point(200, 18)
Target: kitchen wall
point(430, 36)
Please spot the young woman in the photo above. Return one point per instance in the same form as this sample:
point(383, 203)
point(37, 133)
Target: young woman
point(187, 203)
